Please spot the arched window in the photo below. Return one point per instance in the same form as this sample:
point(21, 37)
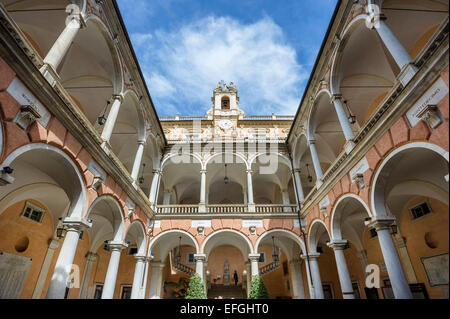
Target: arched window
point(225, 103)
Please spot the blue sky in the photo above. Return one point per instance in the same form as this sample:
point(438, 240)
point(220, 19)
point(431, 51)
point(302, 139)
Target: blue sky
point(266, 47)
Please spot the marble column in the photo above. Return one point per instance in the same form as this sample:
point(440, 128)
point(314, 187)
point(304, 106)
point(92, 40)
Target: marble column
point(394, 267)
point(156, 280)
point(342, 116)
point(137, 280)
point(250, 187)
point(64, 41)
point(254, 264)
point(203, 187)
point(113, 267)
point(406, 260)
point(309, 280)
point(58, 283)
point(315, 159)
point(52, 246)
point(112, 118)
point(154, 187)
point(315, 275)
point(84, 290)
point(298, 288)
point(298, 185)
point(166, 198)
point(144, 280)
point(344, 277)
point(199, 266)
point(138, 160)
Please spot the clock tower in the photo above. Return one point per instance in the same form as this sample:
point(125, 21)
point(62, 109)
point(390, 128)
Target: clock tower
point(225, 112)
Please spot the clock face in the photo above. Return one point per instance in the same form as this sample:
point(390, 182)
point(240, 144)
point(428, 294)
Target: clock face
point(225, 124)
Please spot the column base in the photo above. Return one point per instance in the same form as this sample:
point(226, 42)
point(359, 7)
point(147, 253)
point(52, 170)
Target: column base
point(251, 208)
point(407, 73)
point(202, 208)
point(50, 74)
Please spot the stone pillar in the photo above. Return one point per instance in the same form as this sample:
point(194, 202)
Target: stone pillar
point(394, 267)
point(362, 255)
point(250, 187)
point(156, 280)
point(406, 260)
point(298, 288)
point(203, 187)
point(112, 118)
point(245, 197)
point(249, 276)
point(154, 187)
point(137, 280)
point(52, 246)
point(254, 260)
point(308, 277)
point(298, 185)
point(144, 280)
point(344, 276)
point(199, 266)
point(64, 41)
point(315, 159)
point(138, 160)
point(58, 283)
point(90, 259)
point(113, 267)
point(343, 118)
point(315, 274)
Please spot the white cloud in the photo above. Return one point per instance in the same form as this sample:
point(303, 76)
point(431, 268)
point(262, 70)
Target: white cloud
point(186, 65)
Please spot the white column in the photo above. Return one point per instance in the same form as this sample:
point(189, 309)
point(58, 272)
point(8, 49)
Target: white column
point(156, 280)
point(245, 197)
point(344, 276)
point(254, 259)
point(199, 266)
point(315, 274)
point(250, 187)
point(394, 267)
point(137, 280)
point(113, 267)
point(203, 187)
point(62, 44)
point(298, 288)
point(138, 160)
point(315, 159)
point(362, 255)
point(285, 199)
point(298, 184)
point(308, 277)
point(52, 246)
point(84, 290)
point(112, 117)
point(154, 187)
point(406, 260)
point(144, 280)
point(58, 283)
point(342, 116)
point(249, 277)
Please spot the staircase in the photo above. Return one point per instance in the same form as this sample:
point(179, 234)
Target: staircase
point(227, 292)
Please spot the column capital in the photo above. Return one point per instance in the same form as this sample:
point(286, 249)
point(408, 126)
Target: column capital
point(140, 258)
point(249, 171)
point(203, 171)
point(338, 244)
point(296, 170)
point(200, 257)
point(117, 245)
point(335, 97)
point(312, 142)
point(76, 223)
point(253, 257)
point(310, 256)
point(142, 142)
point(381, 222)
point(157, 171)
point(118, 97)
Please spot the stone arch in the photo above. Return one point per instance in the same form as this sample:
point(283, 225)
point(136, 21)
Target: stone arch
point(106, 209)
point(377, 197)
point(171, 240)
point(236, 237)
point(288, 234)
point(242, 157)
point(57, 165)
point(137, 231)
point(141, 122)
point(170, 157)
point(315, 232)
point(309, 130)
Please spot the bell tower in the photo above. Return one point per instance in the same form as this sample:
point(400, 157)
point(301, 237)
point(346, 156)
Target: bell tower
point(225, 111)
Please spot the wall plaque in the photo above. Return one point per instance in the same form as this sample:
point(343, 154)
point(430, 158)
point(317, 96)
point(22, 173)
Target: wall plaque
point(13, 272)
point(436, 268)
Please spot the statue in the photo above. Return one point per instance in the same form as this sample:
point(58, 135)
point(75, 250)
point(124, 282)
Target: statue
point(226, 274)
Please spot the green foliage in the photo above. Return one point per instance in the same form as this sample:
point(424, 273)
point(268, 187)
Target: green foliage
point(258, 289)
point(176, 290)
point(196, 288)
